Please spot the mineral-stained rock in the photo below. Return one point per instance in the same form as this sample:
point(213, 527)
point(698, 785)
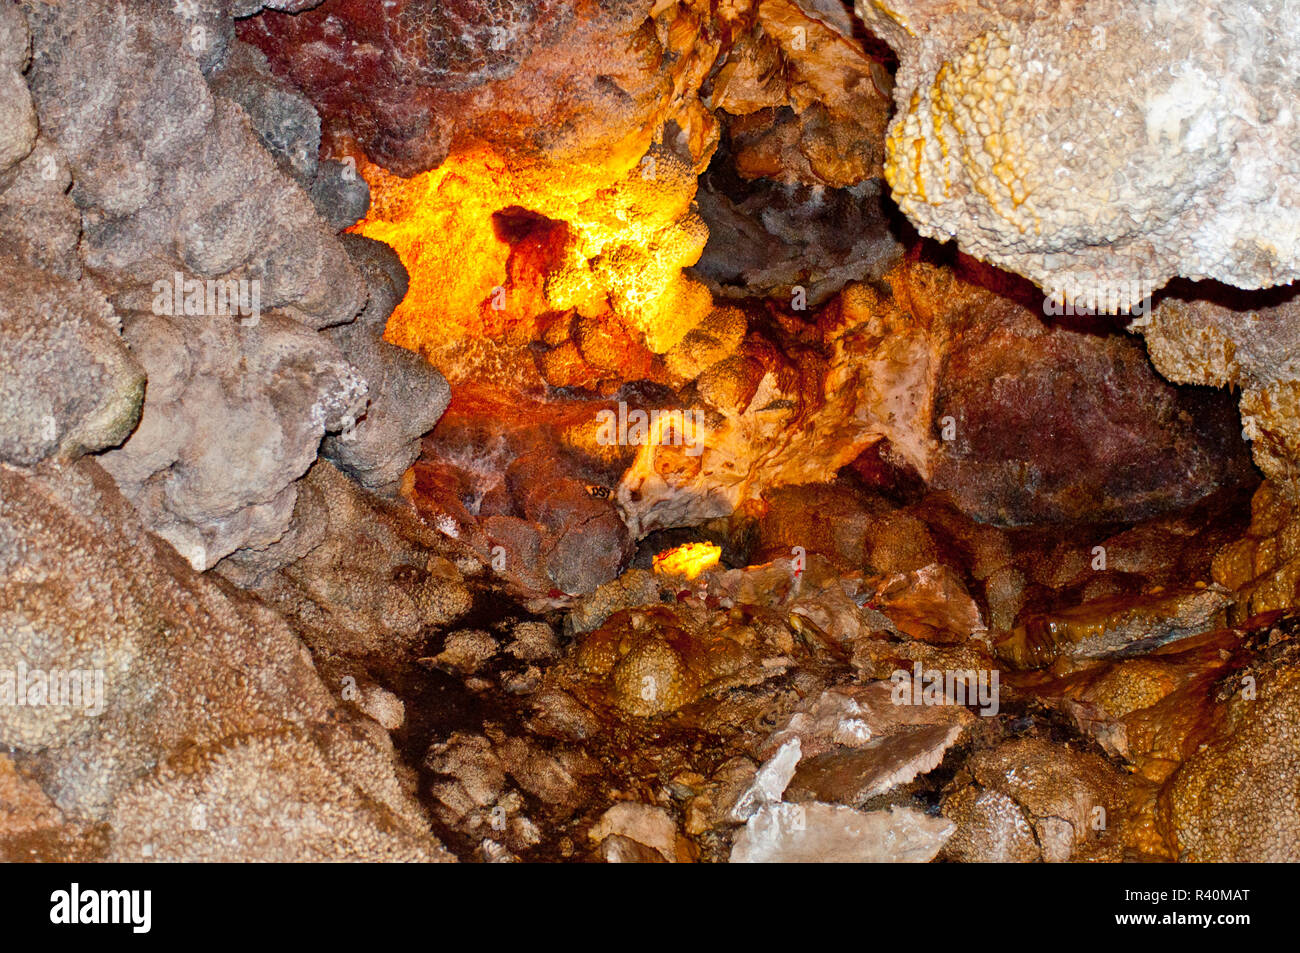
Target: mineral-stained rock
point(533, 640)
point(575, 134)
point(1236, 799)
point(961, 381)
point(1074, 803)
point(931, 604)
point(1204, 335)
point(498, 477)
point(1107, 145)
point(859, 743)
point(465, 650)
point(24, 808)
point(853, 529)
point(619, 849)
point(1107, 440)
point(411, 80)
point(374, 576)
point(991, 828)
point(1262, 567)
point(648, 674)
point(586, 541)
point(527, 244)
point(474, 792)
point(1152, 710)
point(801, 97)
point(1116, 626)
point(659, 658)
point(203, 731)
point(854, 776)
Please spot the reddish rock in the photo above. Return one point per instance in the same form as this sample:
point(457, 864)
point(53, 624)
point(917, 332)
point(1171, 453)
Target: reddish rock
point(1050, 424)
point(410, 79)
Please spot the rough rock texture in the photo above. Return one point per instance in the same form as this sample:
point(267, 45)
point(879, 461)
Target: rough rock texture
point(168, 177)
point(526, 244)
point(1099, 146)
point(286, 123)
point(970, 390)
point(234, 417)
point(413, 80)
point(1116, 626)
point(1262, 566)
point(1069, 801)
point(18, 125)
point(502, 478)
point(587, 117)
point(68, 383)
point(1237, 799)
point(171, 181)
point(373, 578)
point(199, 227)
point(407, 394)
point(800, 98)
point(209, 701)
point(284, 119)
point(769, 239)
point(39, 223)
point(1249, 343)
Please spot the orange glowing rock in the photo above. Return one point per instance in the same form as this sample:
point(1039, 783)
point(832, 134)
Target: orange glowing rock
point(688, 560)
point(497, 248)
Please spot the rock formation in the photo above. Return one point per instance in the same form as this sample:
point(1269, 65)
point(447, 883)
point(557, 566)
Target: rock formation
point(511, 431)
point(1098, 148)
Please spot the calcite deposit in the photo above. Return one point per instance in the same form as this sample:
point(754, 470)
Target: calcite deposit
point(1099, 148)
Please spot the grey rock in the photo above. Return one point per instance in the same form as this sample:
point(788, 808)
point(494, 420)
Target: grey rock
point(285, 121)
point(235, 416)
point(407, 394)
point(170, 178)
point(68, 383)
point(39, 224)
point(340, 194)
point(17, 117)
point(173, 185)
point(208, 27)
